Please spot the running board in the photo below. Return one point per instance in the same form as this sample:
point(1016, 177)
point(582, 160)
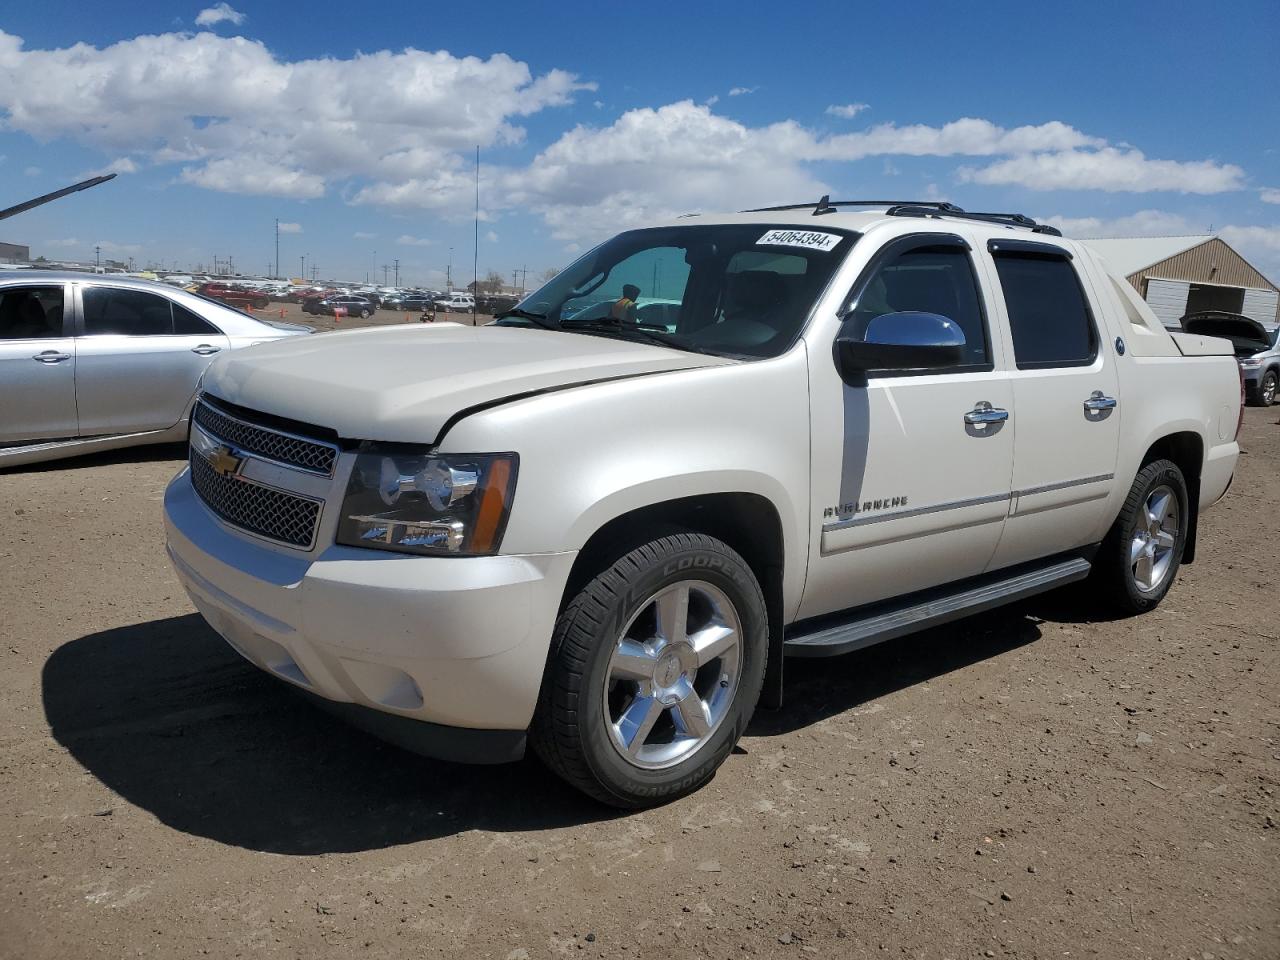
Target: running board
point(827, 639)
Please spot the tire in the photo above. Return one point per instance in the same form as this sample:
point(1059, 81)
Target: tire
point(612, 632)
point(1267, 389)
point(364, 314)
point(1139, 559)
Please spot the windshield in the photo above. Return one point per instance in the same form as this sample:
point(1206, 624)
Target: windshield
point(741, 290)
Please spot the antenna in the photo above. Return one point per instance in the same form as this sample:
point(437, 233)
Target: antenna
point(475, 261)
point(74, 188)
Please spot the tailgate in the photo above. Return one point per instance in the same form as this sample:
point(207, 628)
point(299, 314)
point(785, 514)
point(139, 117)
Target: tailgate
point(1196, 345)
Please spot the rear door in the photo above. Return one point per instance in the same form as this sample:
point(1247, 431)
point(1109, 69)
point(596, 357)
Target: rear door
point(139, 357)
point(37, 363)
point(1065, 394)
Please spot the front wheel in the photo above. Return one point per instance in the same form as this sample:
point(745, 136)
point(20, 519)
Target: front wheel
point(655, 670)
point(1139, 559)
point(364, 314)
point(1267, 392)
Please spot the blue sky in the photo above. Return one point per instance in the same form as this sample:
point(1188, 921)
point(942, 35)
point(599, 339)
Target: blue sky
point(356, 127)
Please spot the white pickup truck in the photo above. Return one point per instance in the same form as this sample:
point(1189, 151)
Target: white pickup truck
point(602, 536)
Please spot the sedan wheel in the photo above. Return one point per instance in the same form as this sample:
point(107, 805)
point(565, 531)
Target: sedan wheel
point(1269, 389)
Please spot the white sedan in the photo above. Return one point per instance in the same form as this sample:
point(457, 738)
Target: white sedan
point(92, 362)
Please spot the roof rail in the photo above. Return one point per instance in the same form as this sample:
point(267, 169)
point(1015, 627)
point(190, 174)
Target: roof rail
point(1007, 219)
point(916, 208)
point(826, 205)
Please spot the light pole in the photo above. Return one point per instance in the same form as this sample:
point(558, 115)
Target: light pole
point(448, 273)
point(277, 273)
point(302, 267)
point(397, 262)
point(97, 257)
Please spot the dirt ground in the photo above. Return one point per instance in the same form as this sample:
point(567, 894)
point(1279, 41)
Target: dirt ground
point(1041, 781)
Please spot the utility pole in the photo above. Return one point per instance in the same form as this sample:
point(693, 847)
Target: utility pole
point(397, 262)
point(277, 273)
point(314, 271)
point(97, 256)
point(302, 266)
point(448, 273)
point(385, 269)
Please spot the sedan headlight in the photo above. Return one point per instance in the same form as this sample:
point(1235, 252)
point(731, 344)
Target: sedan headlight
point(414, 502)
point(1249, 363)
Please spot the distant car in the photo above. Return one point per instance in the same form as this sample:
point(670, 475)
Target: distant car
point(1257, 350)
point(350, 304)
point(235, 296)
point(93, 363)
point(456, 303)
point(409, 302)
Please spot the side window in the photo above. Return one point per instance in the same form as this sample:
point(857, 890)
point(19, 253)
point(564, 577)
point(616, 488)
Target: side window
point(186, 323)
point(1048, 314)
point(130, 312)
point(30, 313)
point(937, 279)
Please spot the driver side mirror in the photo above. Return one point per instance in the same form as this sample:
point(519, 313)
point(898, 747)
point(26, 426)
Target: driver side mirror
point(906, 340)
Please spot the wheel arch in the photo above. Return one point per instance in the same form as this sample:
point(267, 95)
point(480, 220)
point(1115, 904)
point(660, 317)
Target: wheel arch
point(1186, 448)
point(750, 523)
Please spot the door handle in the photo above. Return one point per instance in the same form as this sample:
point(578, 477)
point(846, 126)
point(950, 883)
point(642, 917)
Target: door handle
point(51, 356)
point(205, 349)
point(1098, 402)
point(984, 413)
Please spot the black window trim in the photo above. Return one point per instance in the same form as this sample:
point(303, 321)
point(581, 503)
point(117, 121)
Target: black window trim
point(905, 244)
point(80, 329)
point(69, 313)
point(1027, 250)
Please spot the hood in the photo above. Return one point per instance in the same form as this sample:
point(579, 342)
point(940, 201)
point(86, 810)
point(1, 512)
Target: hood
point(403, 383)
point(1246, 334)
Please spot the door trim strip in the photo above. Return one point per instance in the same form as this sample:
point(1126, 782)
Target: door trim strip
point(961, 504)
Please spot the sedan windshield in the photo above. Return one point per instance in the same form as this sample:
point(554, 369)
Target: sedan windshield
point(740, 290)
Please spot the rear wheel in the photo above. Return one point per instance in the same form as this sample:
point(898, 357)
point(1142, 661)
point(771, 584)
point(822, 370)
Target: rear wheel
point(655, 670)
point(1139, 559)
point(364, 314)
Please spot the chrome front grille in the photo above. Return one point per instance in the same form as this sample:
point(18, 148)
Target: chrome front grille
point(268, 443)
point(262, 510)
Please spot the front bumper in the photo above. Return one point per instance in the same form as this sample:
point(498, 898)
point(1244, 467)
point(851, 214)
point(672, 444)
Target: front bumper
point(453, 641)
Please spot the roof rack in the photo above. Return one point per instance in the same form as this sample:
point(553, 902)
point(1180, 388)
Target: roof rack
point(918, 208)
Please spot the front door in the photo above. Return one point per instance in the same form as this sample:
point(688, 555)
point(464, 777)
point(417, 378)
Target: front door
point(139, 357)
point(911, 472)
point(1065, 393)
point(37, 364)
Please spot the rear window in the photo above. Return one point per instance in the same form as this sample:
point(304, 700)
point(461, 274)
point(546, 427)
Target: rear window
point(1048, 314)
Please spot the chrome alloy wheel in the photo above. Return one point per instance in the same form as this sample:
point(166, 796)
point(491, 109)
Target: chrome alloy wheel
point(673, 674)
point(1269, 389)
point(1151, 549)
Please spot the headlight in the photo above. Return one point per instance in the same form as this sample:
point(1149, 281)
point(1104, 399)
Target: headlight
point(451, 504)
point(1250, 362)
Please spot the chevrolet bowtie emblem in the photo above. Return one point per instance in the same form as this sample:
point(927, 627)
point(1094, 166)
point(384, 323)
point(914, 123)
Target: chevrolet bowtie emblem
point(224, 461)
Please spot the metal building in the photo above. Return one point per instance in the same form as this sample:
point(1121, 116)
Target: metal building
point(1181, 275)
point(14, 253)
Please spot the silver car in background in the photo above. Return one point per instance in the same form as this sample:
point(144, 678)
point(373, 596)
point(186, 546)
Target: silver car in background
point(91, 362)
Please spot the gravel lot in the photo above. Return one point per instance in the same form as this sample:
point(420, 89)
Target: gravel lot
point(1037, 782)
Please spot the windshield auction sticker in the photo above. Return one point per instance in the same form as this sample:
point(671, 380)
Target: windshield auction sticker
point(810, 239)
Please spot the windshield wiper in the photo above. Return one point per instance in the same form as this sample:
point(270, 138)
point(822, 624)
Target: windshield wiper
point(541, 319)
point(657, 338)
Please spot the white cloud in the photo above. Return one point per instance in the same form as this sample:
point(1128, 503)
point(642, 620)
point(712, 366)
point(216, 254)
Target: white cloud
point(846, 111)
point(1109, 169)
point(119, 165)
point(255, 175)
point(1269, 195)
point(228, 108)
point(411, 241)
point(1261, 244)
point(742, 91)
point(490, 237)
point(219, 13)
point(32, 171)
point(290, 227)
point(1144, 223)
point(361, 235)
